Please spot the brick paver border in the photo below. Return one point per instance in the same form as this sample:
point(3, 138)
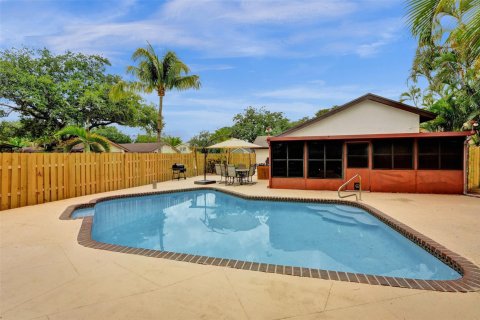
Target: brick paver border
point(470, 280)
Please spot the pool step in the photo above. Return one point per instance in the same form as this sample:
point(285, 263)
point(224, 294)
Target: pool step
point(342, 217)
point(348, 209)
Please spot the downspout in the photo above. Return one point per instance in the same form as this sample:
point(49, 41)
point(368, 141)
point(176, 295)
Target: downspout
point(466, 152)
point(269, 163)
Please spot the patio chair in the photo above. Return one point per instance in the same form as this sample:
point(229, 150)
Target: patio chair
point(231, 173)
point(218, 171)
point(251, 173)
point(223, 172)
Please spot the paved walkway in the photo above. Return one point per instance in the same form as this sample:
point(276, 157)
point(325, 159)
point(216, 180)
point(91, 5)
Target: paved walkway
point(45, 274)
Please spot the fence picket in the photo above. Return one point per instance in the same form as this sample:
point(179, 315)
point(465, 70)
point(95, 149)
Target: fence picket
point(23, 180)
point(29, 179)
point(5, 163)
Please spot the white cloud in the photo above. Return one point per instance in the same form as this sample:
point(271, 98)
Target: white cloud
point(210, 67)
point(327, 95)
point(294, 10)
point(309, 92)
point(212, 28)
point(262, 29)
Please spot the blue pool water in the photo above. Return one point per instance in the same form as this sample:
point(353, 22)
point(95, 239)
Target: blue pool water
point(83, 212)
point(312, 235)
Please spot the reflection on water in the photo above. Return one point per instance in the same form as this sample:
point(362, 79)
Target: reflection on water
point(210, 223)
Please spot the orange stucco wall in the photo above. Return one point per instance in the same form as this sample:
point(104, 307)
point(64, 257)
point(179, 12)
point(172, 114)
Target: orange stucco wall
point(288, 183)
point(392, 180)
point(444, 181)
point(408, 181)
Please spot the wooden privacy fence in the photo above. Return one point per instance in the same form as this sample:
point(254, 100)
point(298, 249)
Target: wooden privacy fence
point(34, 178)
point(474, 168)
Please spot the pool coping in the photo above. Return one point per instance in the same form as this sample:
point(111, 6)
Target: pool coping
point(469, 282)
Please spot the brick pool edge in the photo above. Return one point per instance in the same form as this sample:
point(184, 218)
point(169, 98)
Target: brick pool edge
point(469, 282)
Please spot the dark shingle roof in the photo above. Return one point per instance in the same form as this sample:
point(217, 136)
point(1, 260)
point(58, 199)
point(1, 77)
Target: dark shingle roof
point(145, 147)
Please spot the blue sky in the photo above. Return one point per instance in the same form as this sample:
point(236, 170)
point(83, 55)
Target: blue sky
point(291, 56)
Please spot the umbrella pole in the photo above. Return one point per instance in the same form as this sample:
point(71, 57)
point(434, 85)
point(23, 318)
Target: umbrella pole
point(204, 181)
point(205, 165)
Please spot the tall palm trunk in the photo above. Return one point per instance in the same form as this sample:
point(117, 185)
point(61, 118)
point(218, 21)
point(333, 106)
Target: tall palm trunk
point(161, 94)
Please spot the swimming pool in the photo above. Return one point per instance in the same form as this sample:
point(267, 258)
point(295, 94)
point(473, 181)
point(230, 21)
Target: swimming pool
point(210, 223)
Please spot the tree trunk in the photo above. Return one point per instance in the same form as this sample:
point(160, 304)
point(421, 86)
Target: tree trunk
point(161, 94)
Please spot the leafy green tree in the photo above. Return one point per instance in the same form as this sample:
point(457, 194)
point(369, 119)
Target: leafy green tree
point(430, 22)
point(202, 140)
point(447, 59)
point(51, 91)
point(413, 94)
point(171, 140)
point(9, 129)
point(298, 122)
point(112, 134)
point(159, 75)
point(253, 122)
point(19, 142)
point(222, 134)
point(145, 138)
point(326, 110)
point(77, 135)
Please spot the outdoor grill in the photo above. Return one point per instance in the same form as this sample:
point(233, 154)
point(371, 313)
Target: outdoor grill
point(179, 171)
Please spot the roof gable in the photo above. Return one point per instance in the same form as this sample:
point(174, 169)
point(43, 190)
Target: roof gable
point(261, 141)
point(423, 114)
point(147, 147)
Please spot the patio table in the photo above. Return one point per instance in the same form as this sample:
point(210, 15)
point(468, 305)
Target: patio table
point(241, 173)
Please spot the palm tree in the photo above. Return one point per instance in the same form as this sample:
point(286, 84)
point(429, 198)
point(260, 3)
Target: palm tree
point(160, 75)
point(91, 141)
point(425, 21)
point(448, 58)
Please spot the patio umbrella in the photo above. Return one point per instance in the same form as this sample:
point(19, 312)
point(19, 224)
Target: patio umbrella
point(234, 143)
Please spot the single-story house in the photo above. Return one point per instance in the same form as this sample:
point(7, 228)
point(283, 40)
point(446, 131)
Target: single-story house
point(261, 153)
point(114, 148)
point(149, 147)
point(184, 148)
point(375, 137)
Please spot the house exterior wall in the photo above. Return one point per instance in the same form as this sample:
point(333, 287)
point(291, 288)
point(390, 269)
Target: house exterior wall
point(404, 181)
point(184, 148)
point(115, 149)
point(168, 149)
point(382, 180)
point(261, 155)
point(367, 117)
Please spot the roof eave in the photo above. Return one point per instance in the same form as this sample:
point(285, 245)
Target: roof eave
point(424, 115)
point(377, 136)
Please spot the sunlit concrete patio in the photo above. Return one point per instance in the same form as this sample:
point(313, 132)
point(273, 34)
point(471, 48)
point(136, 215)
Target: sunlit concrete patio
point(46, 274)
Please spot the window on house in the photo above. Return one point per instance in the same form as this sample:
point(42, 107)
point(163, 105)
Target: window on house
point(438, 154)
point(325, 159)
point(393, 154)
point(357, 155)
point(287, 159)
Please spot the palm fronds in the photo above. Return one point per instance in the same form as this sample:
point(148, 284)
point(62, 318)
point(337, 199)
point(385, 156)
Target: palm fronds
point(90, 141)
point(160, 74)
point(98, 140)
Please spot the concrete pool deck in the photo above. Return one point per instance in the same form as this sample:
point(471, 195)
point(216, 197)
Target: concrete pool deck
point(46, 274)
